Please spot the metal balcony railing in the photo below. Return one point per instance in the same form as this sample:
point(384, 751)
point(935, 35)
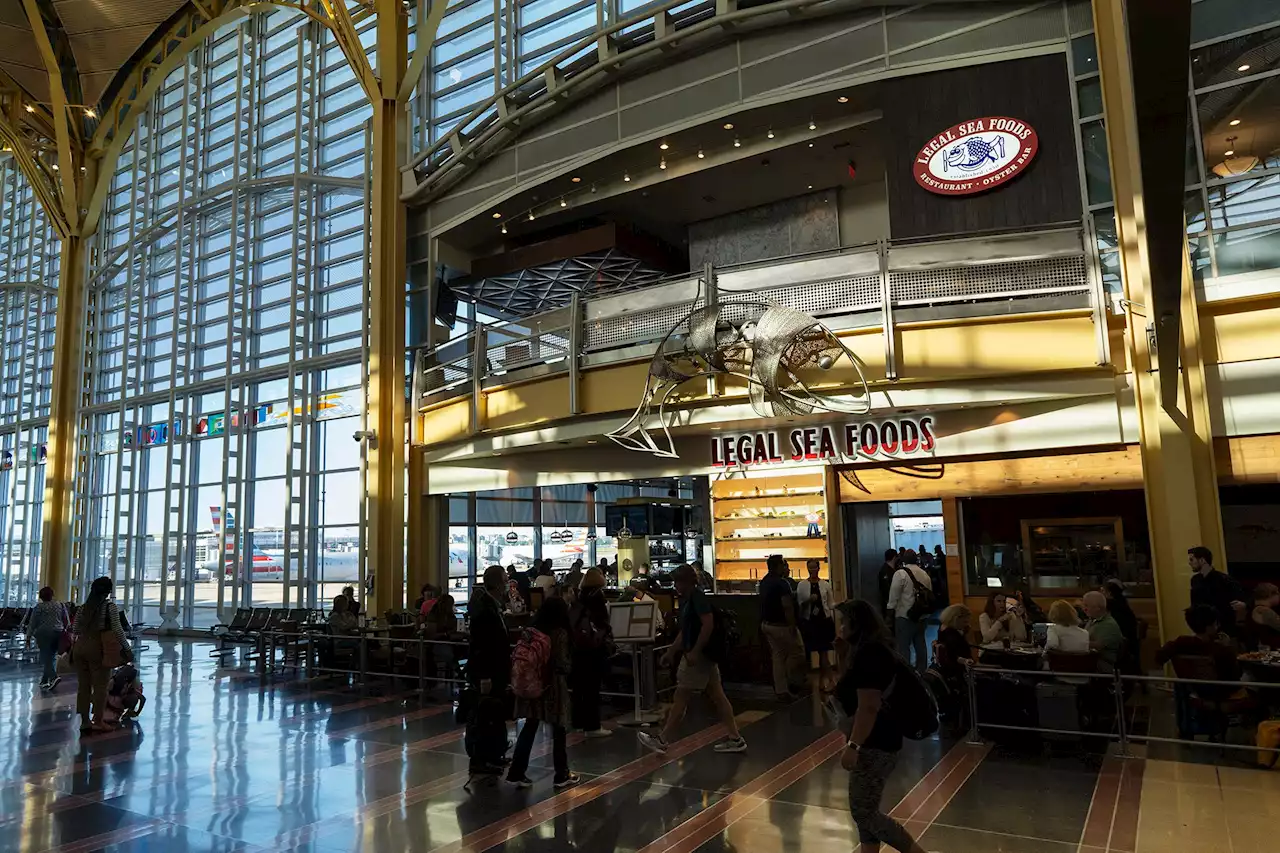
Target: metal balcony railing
point(873, 285)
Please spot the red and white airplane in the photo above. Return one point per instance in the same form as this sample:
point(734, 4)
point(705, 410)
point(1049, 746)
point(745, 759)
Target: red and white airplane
point(265, 567)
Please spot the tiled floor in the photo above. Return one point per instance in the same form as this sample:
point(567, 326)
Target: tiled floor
point(219, 763)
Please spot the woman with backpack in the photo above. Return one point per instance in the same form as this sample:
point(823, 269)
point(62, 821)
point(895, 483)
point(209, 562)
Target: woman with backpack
point(872, 668)
point(912, 601)
point(539, 678)
point(592, 639)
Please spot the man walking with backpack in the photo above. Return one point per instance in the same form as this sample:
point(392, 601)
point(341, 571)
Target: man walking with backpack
point(911, 599)
point(699, 651)
point(886, 700)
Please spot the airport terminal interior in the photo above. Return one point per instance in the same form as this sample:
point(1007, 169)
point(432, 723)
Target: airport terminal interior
point(739, 426)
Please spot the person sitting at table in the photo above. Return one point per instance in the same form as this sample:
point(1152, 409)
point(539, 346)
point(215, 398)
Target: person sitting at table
point(1265, 619)
point(341, 619)
point(998, 623)
point(1105, 636)
point(1065, 633)
point(952, 655)
point(546, 579)
point(353, 605)
point(1206, 641)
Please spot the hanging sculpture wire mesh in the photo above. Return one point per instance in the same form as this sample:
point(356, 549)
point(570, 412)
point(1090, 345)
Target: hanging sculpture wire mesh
point(773, 348)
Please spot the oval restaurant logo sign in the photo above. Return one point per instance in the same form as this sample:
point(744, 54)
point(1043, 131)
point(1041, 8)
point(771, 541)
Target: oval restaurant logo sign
point(976, 156)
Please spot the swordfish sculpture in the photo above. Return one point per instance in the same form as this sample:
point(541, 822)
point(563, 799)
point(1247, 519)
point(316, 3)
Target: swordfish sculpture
point(766, 344)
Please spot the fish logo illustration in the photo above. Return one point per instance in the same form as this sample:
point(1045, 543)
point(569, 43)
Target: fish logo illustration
point(975, 156)
point(974, 153)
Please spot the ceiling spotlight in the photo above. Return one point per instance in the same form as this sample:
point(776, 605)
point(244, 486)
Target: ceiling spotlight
point(664, 146)
point(728, 125)
point(1234, 122)
point(770, 133)
point(809, 187)
point(812, 126)
point(576, 179)
point(662, 163)
point(626, 178)
point(1228, 153)
point(593, 189)
point(504, 228)
point(55, 167)
point(564, 203)
point(531, 216)
point(1243, 68)
point(30, 108)
point(497, 215)
point(92, 113)
point(701, 156)
point(810, 144)
point(737, 143)
point(843, 99)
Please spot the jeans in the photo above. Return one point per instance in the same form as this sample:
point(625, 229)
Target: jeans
point(787, 655)
point(47, 642)
point(866, 789)
point(524, 746)
point(908, 634)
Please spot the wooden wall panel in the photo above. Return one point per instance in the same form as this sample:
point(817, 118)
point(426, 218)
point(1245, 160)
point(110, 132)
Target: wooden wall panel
point(1120, 468)
point(951, 545)
point(1246, 459)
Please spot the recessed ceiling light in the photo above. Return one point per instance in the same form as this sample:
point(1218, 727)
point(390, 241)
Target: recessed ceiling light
point(728, 125)
point(812, 126)
point(662, 164)
point(1243, 68)
point(531, 216)
point(1234, 122)
point(770, 133)
point(576, 179)
point(591, 441)
point(504, 228)
point(564, 203)
point(810, 144)
point(810, 186)
point(844, 99)
point(626, 178)
point(701, 156)
point(664, 146)
point(1227, 153)
point(497, 215)
point(737, 143)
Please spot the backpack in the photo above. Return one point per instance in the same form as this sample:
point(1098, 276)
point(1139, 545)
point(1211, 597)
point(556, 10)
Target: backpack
point(911, 703)
point(585, 633)
point(925, 602)
point(530, 660)
point(724, 636)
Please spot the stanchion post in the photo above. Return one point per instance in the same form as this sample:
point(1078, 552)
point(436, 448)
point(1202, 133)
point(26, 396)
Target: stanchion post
point(635, 680)
point(971, 684)
point(1121, 728)
point(422, 667)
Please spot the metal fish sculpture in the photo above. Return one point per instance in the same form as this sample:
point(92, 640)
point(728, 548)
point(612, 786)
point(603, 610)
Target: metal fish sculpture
point(973, 152)
point(761, 342)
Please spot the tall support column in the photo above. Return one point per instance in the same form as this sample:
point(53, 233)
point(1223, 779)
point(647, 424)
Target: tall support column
point(386, 457)
point(1174, 429)
point(60, 466)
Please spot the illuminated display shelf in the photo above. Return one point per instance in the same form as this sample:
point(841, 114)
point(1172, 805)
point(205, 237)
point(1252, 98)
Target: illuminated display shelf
point(756, 505)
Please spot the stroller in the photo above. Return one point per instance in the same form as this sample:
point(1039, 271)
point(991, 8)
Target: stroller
point(125, 700)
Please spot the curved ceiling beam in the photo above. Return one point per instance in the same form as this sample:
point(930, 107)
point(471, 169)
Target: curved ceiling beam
point(55, 50)
point(510, 112)
point(186, 31)
point(33, 169)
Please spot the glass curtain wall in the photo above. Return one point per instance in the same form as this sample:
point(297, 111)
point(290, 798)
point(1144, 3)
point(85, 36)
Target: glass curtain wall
point(227, 334)
point(29, 260)
point(1232, 169)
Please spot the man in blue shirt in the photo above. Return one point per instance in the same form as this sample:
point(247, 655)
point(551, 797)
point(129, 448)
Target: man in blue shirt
point(697, 673)
point(778, 623)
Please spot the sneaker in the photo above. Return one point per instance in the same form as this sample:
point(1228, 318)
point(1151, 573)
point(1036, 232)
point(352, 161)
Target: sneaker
point(652, 742)
point(598, 733)
point(44, 685)
point(522, 782)
point(56, 681)
point(731, 745)
point(567, 782)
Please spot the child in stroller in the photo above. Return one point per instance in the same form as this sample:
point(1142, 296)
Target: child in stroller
point(124, 695)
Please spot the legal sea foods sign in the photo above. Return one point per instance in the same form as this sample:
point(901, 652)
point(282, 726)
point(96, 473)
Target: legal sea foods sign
point(901, 438)
point(976, 156)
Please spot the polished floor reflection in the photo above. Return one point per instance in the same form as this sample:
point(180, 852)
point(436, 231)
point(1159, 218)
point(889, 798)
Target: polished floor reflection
point(218, 762)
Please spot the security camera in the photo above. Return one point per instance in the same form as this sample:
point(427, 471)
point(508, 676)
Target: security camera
point(365, 435)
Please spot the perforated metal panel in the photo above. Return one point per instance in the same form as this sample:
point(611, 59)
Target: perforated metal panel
point(838, 294)
point(640, 326)
point(988, 280)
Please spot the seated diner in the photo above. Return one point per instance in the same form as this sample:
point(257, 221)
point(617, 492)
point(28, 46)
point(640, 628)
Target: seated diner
point(999, 621)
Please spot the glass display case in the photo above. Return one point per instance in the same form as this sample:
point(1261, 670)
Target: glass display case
point(1072, 554)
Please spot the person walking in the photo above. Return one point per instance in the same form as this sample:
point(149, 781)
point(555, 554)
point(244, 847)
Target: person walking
point(871, 751)
point(45, 623)
point(488, 675)
point(817, 603)
point(778, 624)
point(699, 666)
point(552, 706)
point(101, 646)
point(592, 646)
point(911, 600)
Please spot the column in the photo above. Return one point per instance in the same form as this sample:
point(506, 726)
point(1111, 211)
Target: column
point(60, 466)
point(1173, 420)
point(386, 396)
